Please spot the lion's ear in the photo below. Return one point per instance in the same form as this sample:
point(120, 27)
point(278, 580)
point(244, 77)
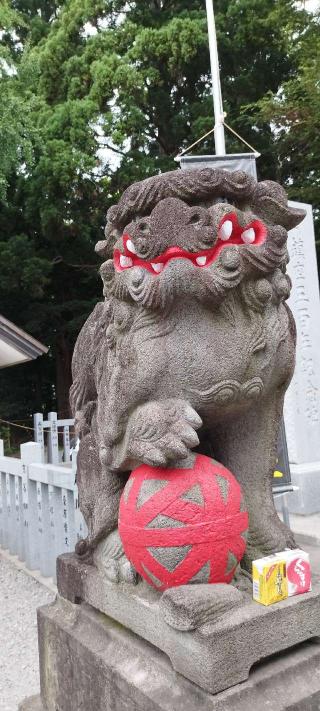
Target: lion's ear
point(101, 248)
point(104, 248)
point(270, 201)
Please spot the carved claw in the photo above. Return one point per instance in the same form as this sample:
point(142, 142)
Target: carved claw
point(163, 432)
point(118, 572)
point(110, 559)
point(189, 607)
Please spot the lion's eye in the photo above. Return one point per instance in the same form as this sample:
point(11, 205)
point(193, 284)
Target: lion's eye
point(143, 226)
point(195, 219)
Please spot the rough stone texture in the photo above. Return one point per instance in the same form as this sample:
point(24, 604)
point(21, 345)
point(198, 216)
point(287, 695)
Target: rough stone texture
point(302, 402)
point(188, 355)
point(232, 634)
point(34, 703)
point(99, 665)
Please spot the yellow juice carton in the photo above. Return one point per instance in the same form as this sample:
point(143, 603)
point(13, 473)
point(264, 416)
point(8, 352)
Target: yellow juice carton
point(270, 582)
point(281, 575)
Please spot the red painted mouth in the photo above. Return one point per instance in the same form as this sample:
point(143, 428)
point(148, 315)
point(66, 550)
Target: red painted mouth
point(229, 233)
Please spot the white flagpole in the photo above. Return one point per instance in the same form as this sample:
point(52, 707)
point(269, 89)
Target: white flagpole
point(219, 137)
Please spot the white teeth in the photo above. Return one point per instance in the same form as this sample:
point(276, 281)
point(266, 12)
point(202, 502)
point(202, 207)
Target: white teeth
point(248, 236)
point(226, 230)
point(131, 247)
point(201, 261)
point(157, 267)
point(125, 261)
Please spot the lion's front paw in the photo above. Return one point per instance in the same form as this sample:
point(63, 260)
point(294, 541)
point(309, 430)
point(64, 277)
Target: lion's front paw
point(120, 572)
point(267, 537)
point(189, 607)
point(161, 433)
point(110, 559)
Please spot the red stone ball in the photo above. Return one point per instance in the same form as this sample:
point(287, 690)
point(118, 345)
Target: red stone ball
point(180, 526)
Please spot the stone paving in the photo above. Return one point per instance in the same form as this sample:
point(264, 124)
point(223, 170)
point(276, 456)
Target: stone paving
point(20, 595)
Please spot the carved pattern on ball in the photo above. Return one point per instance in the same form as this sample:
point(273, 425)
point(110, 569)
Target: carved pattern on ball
point(181, 526)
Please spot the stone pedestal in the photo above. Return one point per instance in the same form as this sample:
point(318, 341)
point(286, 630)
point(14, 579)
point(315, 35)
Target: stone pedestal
point(302, 401)
point(227, 642)
point(90, 662)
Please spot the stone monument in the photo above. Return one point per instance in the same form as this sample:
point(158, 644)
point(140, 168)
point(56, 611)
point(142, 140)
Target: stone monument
point(189, 356)
point(302, 402)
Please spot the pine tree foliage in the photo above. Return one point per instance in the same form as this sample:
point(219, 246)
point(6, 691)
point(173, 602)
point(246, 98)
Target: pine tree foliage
point(294, 113)
point(16, 131)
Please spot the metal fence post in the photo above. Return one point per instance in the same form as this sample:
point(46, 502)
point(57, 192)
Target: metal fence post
point(68, 527)
point(56, 533)
point(2, 526)
point(31, 453)
point(18, 517)
point(53, 447)
point(66, 443)
point(4, 515)
point(38, 431)
point(10, 512)
point(43, 516)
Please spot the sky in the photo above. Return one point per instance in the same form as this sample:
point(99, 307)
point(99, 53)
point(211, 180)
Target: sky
point(312, 5)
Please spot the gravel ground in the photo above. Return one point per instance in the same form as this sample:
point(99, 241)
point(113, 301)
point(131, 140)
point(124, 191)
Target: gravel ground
point(20, 595)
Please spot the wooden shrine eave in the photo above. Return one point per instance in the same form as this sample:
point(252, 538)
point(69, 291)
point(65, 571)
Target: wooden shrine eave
point(16, 346)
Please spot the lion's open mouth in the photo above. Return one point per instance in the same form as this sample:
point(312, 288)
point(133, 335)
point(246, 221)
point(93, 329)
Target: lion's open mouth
point(229, 233)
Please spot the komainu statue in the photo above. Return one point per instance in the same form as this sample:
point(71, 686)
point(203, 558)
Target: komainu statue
point(192, 349)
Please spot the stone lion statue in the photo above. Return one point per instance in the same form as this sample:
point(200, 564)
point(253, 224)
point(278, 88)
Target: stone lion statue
point(192, 348)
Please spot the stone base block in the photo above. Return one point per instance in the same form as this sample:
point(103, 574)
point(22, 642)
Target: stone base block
point(90, 662)
point(222, 650)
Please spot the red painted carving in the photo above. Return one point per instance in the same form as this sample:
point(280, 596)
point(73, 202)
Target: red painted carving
point(252, 234)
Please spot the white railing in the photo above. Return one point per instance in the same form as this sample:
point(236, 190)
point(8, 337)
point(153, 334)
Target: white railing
point(39, 508)
point(53, 449)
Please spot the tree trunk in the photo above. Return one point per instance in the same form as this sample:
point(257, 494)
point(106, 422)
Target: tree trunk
point(63, 376)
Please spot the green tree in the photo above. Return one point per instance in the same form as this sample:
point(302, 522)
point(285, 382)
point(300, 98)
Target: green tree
point(294, 112)
point(16, 129)
point(114, 90)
